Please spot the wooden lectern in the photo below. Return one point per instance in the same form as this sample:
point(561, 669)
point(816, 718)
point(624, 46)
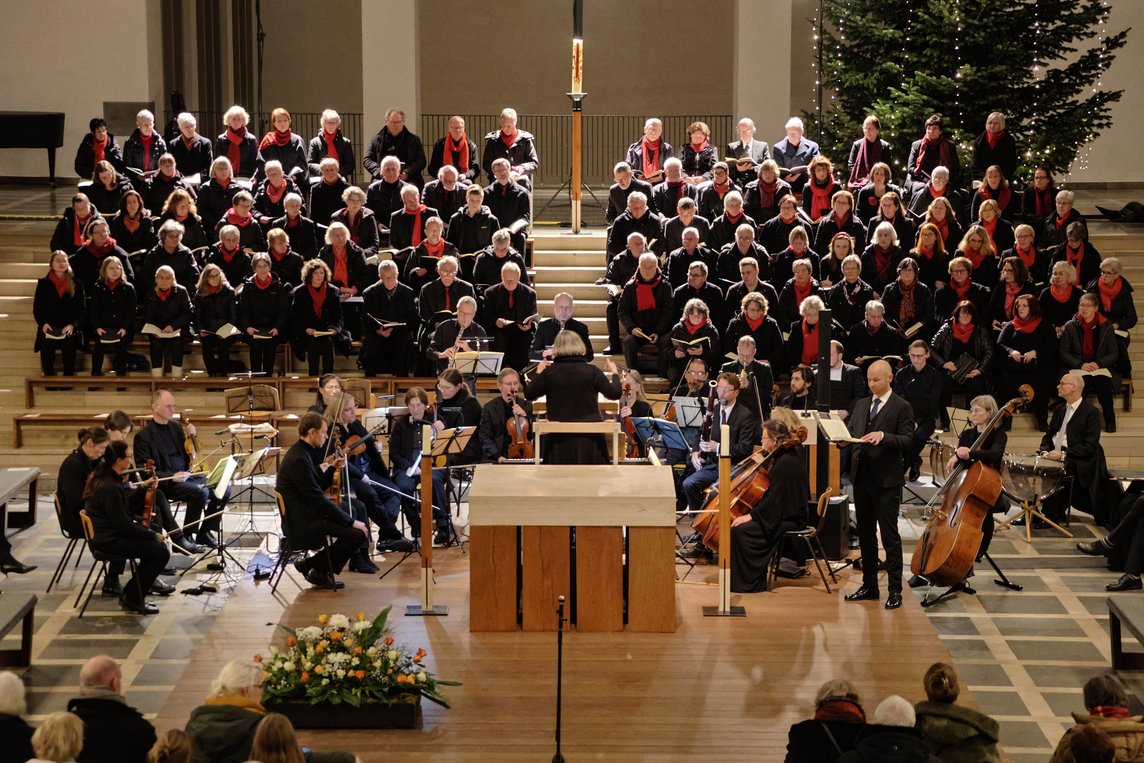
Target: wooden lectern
point(520, 529)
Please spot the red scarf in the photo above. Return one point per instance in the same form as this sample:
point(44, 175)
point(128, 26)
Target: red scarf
point(275, 194)
point(511, 298)
point(331, 140)
point(733, 219)
point(318, 297)
point(279, 257)
point(1110, 711)
point(292, 222)
point(753, 325)
point(882, 262)
point(840, 223)
point(275, 138)
point(132, 223)
point(1088, 334)
point(820, 197)
point(840, 710)
point(77, 229)
point(975, 257)
point(645, 292)
point(942, 145)
point(699, 149)
point(1060, 221)
point(990, 228)
point(1001, 196)
point(1026, 325)
point(188, 143)
point(212, 289)
point(1027, 257)
point(233, 148)
point(60, 282)
point(993, 138)
point(1109, 293)
point(228, 254)
point(1075, 257)
point(652, 158)
point(767, 193)
point(1063, 294)
point(1044, 201)
point(934, 193)
point(869, 154)
point(457, 153)
point(113, 285)
point(449, 297)
point(722, 189)
point(97, 148)
point(802, 292)
point(436, 252)
point(962, 291)
point(146, 141)
point(906, 309)
point(354, 224)
point(99, 252)
point(693, 328)
point(341, 265)
point(1011, 292)
point(508, 138)
point(233, 218)
point(416, 215)
point(164, 293)
point(263, 284)
point(924, 252)
point(809, 342)
point(962, 333)
point(942, 228)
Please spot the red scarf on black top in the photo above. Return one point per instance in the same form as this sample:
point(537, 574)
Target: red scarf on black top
point(882, 262)
point(1088, 337)
point(753, 325)
point(942, 146)
point(1060, 221)
point(809, 342)
point(60, 282)
point(993, 138)
point(962, 291)
point(212, 289)
point(279, 257)
point(417, 228)
point(164, 293)
point(275, 193)
point(767, 193)
point(436, 252)
point(233, 148)
point(146, 141)
point(77, 229)
point(228, 254)
point(1062, 294)
point(721, 189)
point(924, 252)
point(188, 143)
point(275, 138)
point(942, 228)
point(113, 285)
point(354, 224)
point(1109, 293)
point(341, 265)
point(263, 284)
point(1027, 257)
point(906, 309)
point(331, 144)
point(693, 328)
point(318, 297)
point(1044, 200)
point(990, 227)
point(1011, 292)
point(457, 153)
point(99, 252)
point(700, 148)
point(645, 292)
point(820, 197)
point(1001, 196)
point(733, 220)
point(232, 217)
point(975, 257)
point(1075, 257)
point(652, 158)
point(802, 292)
point(1026, 325)
point(962, 333)
point(97, 148)
point(508, 138)
point(840, 710)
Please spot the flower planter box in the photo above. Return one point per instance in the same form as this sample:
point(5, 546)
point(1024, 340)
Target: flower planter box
point(402, 714)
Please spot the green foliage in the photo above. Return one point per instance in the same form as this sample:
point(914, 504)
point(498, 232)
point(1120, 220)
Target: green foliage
point(1039, 62)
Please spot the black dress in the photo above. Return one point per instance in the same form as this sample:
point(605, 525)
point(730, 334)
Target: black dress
point(59, 311)
point(570, 386)
point(991, 453)
point(782, 508)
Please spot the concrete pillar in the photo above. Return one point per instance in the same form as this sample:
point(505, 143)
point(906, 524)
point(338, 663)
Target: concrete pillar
point(390, 64)
point(762, 74)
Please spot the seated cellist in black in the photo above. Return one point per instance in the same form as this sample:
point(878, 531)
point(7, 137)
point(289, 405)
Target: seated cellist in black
point(756, 536)
point(991, 452)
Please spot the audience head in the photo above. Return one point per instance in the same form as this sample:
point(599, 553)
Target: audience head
point(59, 738)
point(940, 680)
point(895, 711)
point(1091, 744)
point(12, 696)
point(836, 690)
point(1104, 690)
point(275, 741)
point(173, 747)
point(240, 676)
point(101, 672)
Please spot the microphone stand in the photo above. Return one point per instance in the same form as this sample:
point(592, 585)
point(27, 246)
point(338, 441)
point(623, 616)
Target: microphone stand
point(558, 757)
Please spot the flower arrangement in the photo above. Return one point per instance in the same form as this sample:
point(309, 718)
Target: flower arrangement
point(352, 661)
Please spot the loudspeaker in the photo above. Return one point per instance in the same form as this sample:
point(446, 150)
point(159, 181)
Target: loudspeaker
point(835, 533)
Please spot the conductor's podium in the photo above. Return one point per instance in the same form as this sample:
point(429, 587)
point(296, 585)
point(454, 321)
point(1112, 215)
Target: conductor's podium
point(521, 521)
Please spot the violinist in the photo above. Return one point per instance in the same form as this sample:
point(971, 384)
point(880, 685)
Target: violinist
point(312, 516)
point(164, 441)
point(703, 463)
point(633, 400)
point(405, 453)
point(991, 452)
point(105, 498)
point(73, 474)
point(496, 415)
point(458, 407)
point(570, 385)
point(757, 536)
point(755, 378)
point(329, 390)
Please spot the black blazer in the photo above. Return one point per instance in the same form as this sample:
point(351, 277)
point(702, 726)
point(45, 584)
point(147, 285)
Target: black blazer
point(884, 461)
point(175, 311)
point(150, 444)
point(746, 431)
point(264, 309)
point(112, 310)
point(921, 388)
point(302, 314)
point(300, 484)
point(547, 329)
point(618, 197)
point(492, 432)
point(70, 482)
point(1084, 457)
point(56, 311)
point(437, 161)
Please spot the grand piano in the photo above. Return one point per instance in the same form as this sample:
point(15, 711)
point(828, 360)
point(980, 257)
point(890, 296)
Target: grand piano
point(33, 129)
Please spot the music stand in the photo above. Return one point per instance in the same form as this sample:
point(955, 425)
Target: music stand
point(219, 481)
point(958, 420)
point(689, 411)
point(245, 401)
point(659, 433)
point(479, 363)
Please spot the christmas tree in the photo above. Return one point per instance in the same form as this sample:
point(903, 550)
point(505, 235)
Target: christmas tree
point(1039, 62)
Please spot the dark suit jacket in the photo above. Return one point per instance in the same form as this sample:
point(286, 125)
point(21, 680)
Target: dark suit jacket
point(1084, 457)
point(492, 432)
point(883, 461)
point(300, 484)
point(845, 392)
point(760, 151)
point(148, 444)
point(746, 432)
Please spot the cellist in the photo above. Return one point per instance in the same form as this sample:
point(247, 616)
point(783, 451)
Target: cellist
point(757, 535)
point(991, 452)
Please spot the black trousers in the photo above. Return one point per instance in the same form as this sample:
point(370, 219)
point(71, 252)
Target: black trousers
point(263, 354)
point(151, 556)
point(319, 354)
point(515, 345)
point(1101, 386)
point(165, 348)
point(198, 498)
point(118, 351)
point(65, 347)
point(381, 507)
point(876, 508)
point(348, 540)
point(923, 430)
point(632, 345)
point(216, 354)
point(1127, 539)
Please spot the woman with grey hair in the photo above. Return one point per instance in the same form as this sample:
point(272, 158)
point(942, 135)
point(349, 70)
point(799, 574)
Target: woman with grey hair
point(838, 720)
point(193, 153)
point(142, 150)
point(222, 728)
point(14, 730)
point(237, 143)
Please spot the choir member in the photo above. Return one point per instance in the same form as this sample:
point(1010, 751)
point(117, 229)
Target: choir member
point(880, 259)
point(457, 151)
point(58, 309)
point(637, 218)
point(97, 145)
point(487, 266)
point(180, 207)
point(446, 194)
point(169, 252)
point(754, 322)
point(99, 245)
point(724, 225)
point(840, 219)
point(239, 215)
point(1079, 252)
point(326, 192)
point(797, 248)
point(666, 194)
point(932, 151)
point(167, 306)
point(397, 141)
point(750, 151)
point(111, 314)
point(1038, 199)
point(216, 195)
point(272, 192)
point(919, 382)
point(645, 312)
point(775, 233)
point(214, 309)
point(963, 335)
point(285, 263)
point(793, 154)
point(107, 188)
point(142, 150)
point(959, 288)
point(561, 320)
point(866, 154)
point(840, 246)
point(330, 143)
point(1027, 346)
point(1118, 306)
point(421, 266)
point(646, 156)
point(510, 312)
point(994, 148)
point(995, 188)
point(263, 314)
point(515, 146)
point(802, 340)
point(509, 202)
point(698, 155)
point(315, 311)
point(977, 247)
point(459, 334)
point(407, 225)
point(626, 184)
point(69, 233)
point(761, 197)
point(873, 339)
point(193, 153)
point(931, 256)
point(694, 336)
point(713, 193)
point(697, 287)
point(384, 194)
point(358, 219)
point(685, 217)
point(1036, 263)
point(909, 303)
point(999, 230)
point(801, 285)
point(1088, 343)
point(349, 272)
point(689, 252)
point(1053, 229)
point(848, 297)
point(744, 247)
point(1014, 282)
point(471, 228)
point(818, 192)
point(284, 146)
point(389, 323)
point(227, 254)
point(237, 143)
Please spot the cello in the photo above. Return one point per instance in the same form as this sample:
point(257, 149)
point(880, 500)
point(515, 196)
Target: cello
point(949, 544)
point(749, 482)
point(633, 449)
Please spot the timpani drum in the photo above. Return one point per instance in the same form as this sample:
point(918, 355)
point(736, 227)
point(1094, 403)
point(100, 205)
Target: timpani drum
point(939, 455)
point(1031, 478)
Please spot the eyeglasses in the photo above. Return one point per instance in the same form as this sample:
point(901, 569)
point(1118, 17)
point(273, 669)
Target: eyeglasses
point(1109, 273)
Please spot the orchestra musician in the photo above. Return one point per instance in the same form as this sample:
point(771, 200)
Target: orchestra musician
point(570, 385)
point(310, 513)
point(329, 390)
point(1073, 436)
point(991, 453)
point(801, 384)
point(757, 535)
point(457, 406)
point(115, 532)
point(405, 452)
point(920, 384)
point(547, 329)
point(755, 378)
point(460, 334)
point(497, 413)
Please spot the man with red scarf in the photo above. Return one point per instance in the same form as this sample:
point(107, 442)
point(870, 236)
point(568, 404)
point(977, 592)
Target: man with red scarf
point(330, 143)
point(934, 150)
point(665, 195)
point(97, 146)
point(71, 230)
point(396, 140)
point(725, 224)
point(514, 145)
point(384, 195)
point(626, 184)
point(508, 310)
point(142, 150)
point(995, 146)
point(713, 194)
point(690, 251)
point(686, 216)
point(1088, 344)
point(645, 312)
point(439, 300)
point(647, 155)
point(457, 151)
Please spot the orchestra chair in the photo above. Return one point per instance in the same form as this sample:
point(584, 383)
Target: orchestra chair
point(101, 560)
point(809, 535)
point(290, 547)
point(73, 541)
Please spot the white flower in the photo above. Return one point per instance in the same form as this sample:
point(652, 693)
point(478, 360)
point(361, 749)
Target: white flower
point(325, 682)
point(340, 622)
point(392, 655)
point(310, 633)
point(421, 677)
point(341, 673)
point(361, 625)
point(288, 667)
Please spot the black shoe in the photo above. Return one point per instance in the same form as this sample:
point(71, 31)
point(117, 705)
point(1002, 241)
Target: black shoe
point(186, 544)
point(364, 566)
point(301, 566)
point(13, 567)
point(159, 588)
point(138, 608)
point(1110, 428)
point(915, 473)
point(395, 546)
point(323, 580)
point(698, 551)
point(864, 593)
point(893, 601)
point(1095, 548)
point(112, 587)
point(442, 537)
point(1125, 583)
point(916, 581)
point(207, 540)
point(169, 571)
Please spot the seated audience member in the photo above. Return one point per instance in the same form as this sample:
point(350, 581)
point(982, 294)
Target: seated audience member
point(274, 740)
point(880, 259)
point(795, 291)
point(909, 302)
point(112, 729)
point(106, 188)
point(713, 193)
point(1088, 343)
point(1038, 199)
point(508, 201)
point(421, 266)
point(389, 324)
point(953, 732)
point(750, 153)
point(890, 209)
point(994, 148)
point(509, 309)
point(920, 384)
point(271, 195)
point(223, 727)
point(193, 153)
point(1107, 705)
point(97, 145)
point(732, 255)
point(837, 722)
point(397, 141)
point(237, 143)
point(891, 736)
point(446, 194)
point(548, 328)
point(848, 297)
point(694, 336)
point(471, 227)
point(690, 252)
point(958, 288)
point(173, 747)
point(626, 184)
point(793, 154)
point(802, 339)
point(227, 254)
point(383, 195)
point(840, 218)
point(315, 312)
point(761, 197)
point(752, 320)
point(932, 151)
point(820, 189)
point(645, 312)
point(866, 154)
point(457, 151)
point(666, 194)
point(14, 729)
point(755, 379)
point(725, 224)
point(1117, 305)
point(1052, 230)
point(59, 312)
point(59, 739)
point(486, 270)
point(647, 155)
point(685, 217)
point(515, 146)
point(216, 194)
point(240, 216)
point(263, 313)
point(696, 287)
point(303, 231)
point(72, 225)
point(329, 143)
point(996, 189)
point(698, 155)
point(459, 334)
point(1079, 252)
point(873, 339)
point(963, 339)
point(775, 233)
point(142, 149)
point(326, 191)
point(284, 146)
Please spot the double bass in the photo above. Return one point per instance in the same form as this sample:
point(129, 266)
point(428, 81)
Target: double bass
point(949, 544)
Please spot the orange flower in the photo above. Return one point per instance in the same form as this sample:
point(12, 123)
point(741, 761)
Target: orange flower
point(360, 675)
point(318, 670)
point(357, 650)
point(304, 677)
point(323, 619)
point(291, 641)
point(389, 640)
point(360, 616)
point(258, 658)
point(336, 636)
point(420, 655)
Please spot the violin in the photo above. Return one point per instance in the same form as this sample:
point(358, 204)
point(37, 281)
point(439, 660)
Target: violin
point(519, 445)
point(750, 481)
point(149, 496)
point(633, 450)
point(191, 446)
point(334, 491)
point(355, 445)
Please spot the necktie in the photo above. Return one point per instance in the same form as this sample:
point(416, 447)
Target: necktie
point(723, 416)
point(877, 406)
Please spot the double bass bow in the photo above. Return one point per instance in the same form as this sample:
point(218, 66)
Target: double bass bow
point(949, 544)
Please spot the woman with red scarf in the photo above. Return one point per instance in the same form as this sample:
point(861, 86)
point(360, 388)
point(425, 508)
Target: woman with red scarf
point(909, 302)
point(285, 263)
point(359, 221)
point(270, 198)
point(996, 188)
point(316, 309)
point(868, 198)
point(71, 228)
point(158, 191)
point(97, 146)
point(958, 288)
point(98, 246)
point(698, 156)
point(802, 341)
point(761, 197)
point(285, 146)
point(1027, 344)
point(1014, 282)
point(215, 308)
point(216, 195)
point(180, 208)
point(1037, 199)
point(752, 320)
point(240, 216)
point(1053, 230)
point(1000, 231)
point(838, 720)
point(818, 192)
point(930, 152)
point(848, 297)
point(801, 285)
point(142, 150)
point(694, 327)
point(133, 228)
point(994, 148)
point(1023, 249)
point(881, 258)
point(106, 188)
point(330, 143)
point(348, 272)
point(941, 214)
point(840, 220)
point(227, 255)
point(1107, 705)
point(111, 315)
point(421, 267)
point(302, 230)
point(931, 256)
point(1079, 252)
point(1061, 298)
point(977, 247)
point(962, 335)
point(840, 246)
point(891, 210)
point(782, 260)
point(237, 143)
point(167, 306)
point(193, 153)
point(1118, 306)
point(58, 309)
point(262, 312)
